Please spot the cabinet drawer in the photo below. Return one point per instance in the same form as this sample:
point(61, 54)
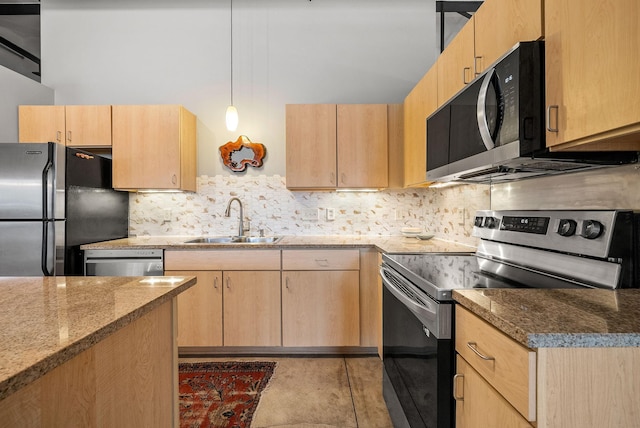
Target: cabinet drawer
point(222, 260)
point(508, 366)
point(320, 260)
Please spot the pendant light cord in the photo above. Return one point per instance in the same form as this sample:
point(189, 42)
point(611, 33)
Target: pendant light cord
point(231, 38)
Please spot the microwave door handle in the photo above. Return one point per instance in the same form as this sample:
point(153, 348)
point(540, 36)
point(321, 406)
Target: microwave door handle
point(483, 125)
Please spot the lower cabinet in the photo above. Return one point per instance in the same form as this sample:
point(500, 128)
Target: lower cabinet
point(320, 308)
point(251, 307)
point(478, 405)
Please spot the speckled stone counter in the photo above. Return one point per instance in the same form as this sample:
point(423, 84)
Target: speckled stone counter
point(46, 321)
point(540, 318)
point(388, 244)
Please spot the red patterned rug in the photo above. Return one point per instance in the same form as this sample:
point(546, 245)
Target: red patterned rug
point(223, 394)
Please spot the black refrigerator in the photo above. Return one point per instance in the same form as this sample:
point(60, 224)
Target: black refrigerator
point(52, 200)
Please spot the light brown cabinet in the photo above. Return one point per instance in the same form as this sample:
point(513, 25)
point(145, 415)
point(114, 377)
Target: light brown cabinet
point(236, 301)
point(83, 126)
point(500, 24)
point(251, 305)
point(418, 105)
point(154, 147)
point(478, 405)
point(592, 70)
point(455, 63)
point(200, 309)
point(320, 298)
point(333, 146)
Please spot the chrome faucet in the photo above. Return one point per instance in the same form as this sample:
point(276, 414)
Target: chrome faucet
point(227, 213)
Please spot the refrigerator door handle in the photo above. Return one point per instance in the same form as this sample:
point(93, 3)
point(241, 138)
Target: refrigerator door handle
point(45, 249)
point(46, 174)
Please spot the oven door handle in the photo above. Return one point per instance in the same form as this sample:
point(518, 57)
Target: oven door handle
point(427, 313)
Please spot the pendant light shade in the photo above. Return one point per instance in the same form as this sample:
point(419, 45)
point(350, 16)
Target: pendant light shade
point(231, 118)
point(231, 115)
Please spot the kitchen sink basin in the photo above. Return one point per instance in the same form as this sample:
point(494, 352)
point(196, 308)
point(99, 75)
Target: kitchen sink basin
point(235, 240)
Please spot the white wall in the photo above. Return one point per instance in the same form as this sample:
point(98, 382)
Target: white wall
point(285, 51)
point(17, 89)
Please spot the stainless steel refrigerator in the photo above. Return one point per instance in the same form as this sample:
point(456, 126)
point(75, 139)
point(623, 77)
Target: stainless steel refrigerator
point(52, 200)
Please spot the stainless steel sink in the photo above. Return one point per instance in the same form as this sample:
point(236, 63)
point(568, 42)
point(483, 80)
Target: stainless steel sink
point(235, 240)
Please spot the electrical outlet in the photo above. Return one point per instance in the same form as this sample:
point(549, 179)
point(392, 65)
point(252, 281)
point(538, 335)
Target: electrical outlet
point(461, 217)
point(309, 214)
point(166, 214)
point(331, 214)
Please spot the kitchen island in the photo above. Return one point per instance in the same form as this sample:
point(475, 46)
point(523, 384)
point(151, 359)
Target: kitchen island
point(561, 357)
point(89, 351)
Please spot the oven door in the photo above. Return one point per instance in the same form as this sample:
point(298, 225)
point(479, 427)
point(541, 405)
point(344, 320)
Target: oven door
point(418, 366)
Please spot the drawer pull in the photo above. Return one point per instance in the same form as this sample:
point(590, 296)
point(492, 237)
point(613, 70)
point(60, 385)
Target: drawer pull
point(322, 262)
point(474, 347)
point(455, 387)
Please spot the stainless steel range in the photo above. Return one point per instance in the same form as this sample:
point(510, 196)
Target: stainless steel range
point(519, 249)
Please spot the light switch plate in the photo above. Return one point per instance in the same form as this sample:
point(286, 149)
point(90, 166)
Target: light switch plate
point(331, 214)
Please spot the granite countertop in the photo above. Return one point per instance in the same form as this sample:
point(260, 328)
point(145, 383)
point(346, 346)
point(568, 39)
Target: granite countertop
point(46, 321)
point(387, 244)
point(543, 318)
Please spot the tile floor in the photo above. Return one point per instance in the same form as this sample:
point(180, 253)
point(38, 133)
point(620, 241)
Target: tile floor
point(320, 392)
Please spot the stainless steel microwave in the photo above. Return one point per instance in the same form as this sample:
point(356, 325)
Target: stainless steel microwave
point(493, 129)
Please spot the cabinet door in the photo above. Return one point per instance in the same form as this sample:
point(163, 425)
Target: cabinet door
point(592, 70)
point(311, 146)
point(147, 147)
point(363, 150)
point(251, 306)
point(419, 104)
point(478, 405)
point(88, 126)
point(200, 310)
point(320, 308)
point(500, 24)
point(455, 64)
point(41, 124)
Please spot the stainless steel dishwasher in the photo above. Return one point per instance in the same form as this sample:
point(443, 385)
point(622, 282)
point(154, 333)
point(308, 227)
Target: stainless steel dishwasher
point(126, 262)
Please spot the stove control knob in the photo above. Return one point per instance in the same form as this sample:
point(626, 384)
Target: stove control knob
point(592, 229)
point(567, 227)
point(491, 222)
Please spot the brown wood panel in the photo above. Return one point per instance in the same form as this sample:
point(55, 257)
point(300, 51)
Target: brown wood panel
point(395, 123)
point(188, 150)
point(363, 150)
point(320, 308)
point(370, 299)
point(332, 259)
point(311, 146)
point(222, 259)
point(421, 102)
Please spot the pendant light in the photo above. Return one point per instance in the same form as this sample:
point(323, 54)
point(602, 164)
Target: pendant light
point(231, 115)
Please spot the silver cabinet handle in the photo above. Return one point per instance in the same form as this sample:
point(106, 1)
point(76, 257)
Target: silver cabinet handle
point(215, 282)
point(286, 282)
point(59, 136)
point(322, 262)
point(174, 179)
point(332, 178)
point(549, 108)
point(343, 178)
point(464, 75)
point(474, 347)
point(69, 136)
point(228, 282)
point(455, 387)
point(476, 69)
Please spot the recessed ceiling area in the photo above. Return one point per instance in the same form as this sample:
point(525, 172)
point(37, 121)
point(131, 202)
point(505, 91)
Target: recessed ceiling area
point(20, 37)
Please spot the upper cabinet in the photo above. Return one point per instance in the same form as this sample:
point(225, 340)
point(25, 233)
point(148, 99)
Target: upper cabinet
point(418, 105)
point(154, 147)
point(592, 70)
point(333, 146)
point(455, 64)
point(500, 24)
point(74, 126)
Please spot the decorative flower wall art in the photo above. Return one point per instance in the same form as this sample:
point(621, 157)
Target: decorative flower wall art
point(242, 152)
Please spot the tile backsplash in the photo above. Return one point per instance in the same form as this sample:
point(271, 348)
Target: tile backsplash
point(447, 213)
